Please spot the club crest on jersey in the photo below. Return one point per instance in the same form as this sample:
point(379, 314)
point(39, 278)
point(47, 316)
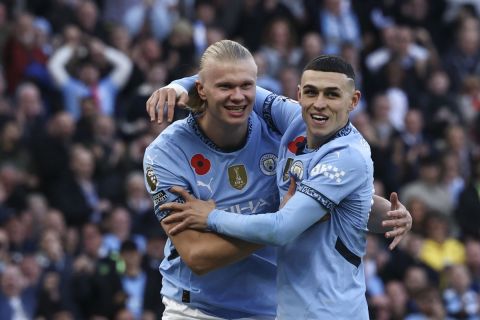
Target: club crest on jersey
point(200, 164)
point(286, 169)
point(151, 178)
point(268, 164)
point(297, 169)
point(237, 175)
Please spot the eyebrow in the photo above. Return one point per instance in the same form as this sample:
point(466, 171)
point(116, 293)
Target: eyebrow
point(312, 87)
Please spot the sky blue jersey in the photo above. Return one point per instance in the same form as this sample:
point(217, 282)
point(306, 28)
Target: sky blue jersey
point(321, 230)
point(242, 182)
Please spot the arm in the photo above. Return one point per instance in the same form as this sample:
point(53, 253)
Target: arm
point(122, 66)
point(56, 65)
point(390, 217)
point(203, 252)
point(277, 111)
point(279, 228)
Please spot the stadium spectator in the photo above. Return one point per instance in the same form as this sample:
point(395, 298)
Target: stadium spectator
point(88, 80)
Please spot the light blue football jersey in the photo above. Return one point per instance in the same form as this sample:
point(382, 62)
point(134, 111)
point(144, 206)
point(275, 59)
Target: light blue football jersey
point(242, 182)
point(320, 269)
point(320, 274)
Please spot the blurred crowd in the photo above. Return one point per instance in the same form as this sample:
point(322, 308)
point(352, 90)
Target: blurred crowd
point(78, 237)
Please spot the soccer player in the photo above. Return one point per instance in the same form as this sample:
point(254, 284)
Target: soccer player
point(321, 230)
point(228, 153)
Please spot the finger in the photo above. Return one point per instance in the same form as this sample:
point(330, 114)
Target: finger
point(171, 98)
point(395, 223)
point(293, 186)
point(182, 192)
point(178, 228)
point(173, 218)
point(162, 97)
point(397, 214)
point(183, 100)
point(394, 201)
point(395, 232)
point(395, 242)
point(150, 106)
point(176, 206)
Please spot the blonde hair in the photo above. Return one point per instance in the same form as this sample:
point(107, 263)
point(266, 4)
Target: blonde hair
point(220, 51)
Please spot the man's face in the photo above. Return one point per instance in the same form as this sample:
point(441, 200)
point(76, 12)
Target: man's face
point(326, 99)
point(228, 87)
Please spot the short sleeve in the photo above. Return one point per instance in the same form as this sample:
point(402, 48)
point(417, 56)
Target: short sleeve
point(335, 176)
point(277, 111)
point(159, 178)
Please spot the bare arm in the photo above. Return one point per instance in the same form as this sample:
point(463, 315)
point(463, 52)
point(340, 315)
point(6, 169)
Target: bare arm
point(206, 251)
point(56, 64)
point(390, 217)
point(203, 252)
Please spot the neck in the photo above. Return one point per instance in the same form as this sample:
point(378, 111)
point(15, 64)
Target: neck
point(225, 136)
point(315, 142)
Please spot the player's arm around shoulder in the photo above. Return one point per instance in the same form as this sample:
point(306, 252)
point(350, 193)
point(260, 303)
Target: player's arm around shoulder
point(202, 252)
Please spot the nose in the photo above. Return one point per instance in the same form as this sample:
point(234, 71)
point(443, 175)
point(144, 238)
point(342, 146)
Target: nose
point(237, 94)
point(320, 102)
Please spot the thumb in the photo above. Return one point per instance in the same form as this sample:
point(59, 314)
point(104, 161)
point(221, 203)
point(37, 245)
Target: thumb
point(293, 186)
point(394, 201)
point(182, 100)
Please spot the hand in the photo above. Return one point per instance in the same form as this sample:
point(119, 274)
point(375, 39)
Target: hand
point(291, 191)
point(192, 214)
point(401, 221)
point(163, 96)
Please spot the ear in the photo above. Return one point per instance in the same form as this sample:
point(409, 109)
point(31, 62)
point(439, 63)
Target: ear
point(299, 93)
point(355, 100)
point(200, 90)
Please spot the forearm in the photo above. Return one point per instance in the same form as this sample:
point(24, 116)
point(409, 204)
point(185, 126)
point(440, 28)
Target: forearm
point(206, 251)
point(380, 207)
point(277, 228)
point(56, 65)
point(122, 66)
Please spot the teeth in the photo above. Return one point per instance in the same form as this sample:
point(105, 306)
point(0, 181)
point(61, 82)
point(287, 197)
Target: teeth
point(235, 108)
point(317, 117)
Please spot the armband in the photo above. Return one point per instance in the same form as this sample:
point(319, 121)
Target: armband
point(160, 198)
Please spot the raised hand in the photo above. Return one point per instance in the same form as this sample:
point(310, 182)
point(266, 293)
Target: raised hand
point(401, 221)
point(156, 103)
point(192, 214)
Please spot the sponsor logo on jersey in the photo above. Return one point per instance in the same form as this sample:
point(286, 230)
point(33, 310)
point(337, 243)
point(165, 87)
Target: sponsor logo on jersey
point(328, 171)
point(237, 175)
point(151, 178)
point(268, 164)
point(208, 185)
point(200, 164)
point(297, 169)
point(286, 169)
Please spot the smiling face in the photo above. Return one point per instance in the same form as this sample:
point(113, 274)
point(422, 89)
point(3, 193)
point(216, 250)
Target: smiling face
point(326, 99)
point(228, 88)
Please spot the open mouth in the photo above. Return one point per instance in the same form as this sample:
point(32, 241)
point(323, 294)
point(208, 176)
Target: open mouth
point(236, 109)
point(319, 118)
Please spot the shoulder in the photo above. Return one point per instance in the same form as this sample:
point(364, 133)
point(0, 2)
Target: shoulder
point(170, 140)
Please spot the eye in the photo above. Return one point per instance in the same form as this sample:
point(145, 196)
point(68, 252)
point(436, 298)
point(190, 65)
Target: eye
point(246, 86)
point(310, 92)
point(332, 94)
point(224, 86)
